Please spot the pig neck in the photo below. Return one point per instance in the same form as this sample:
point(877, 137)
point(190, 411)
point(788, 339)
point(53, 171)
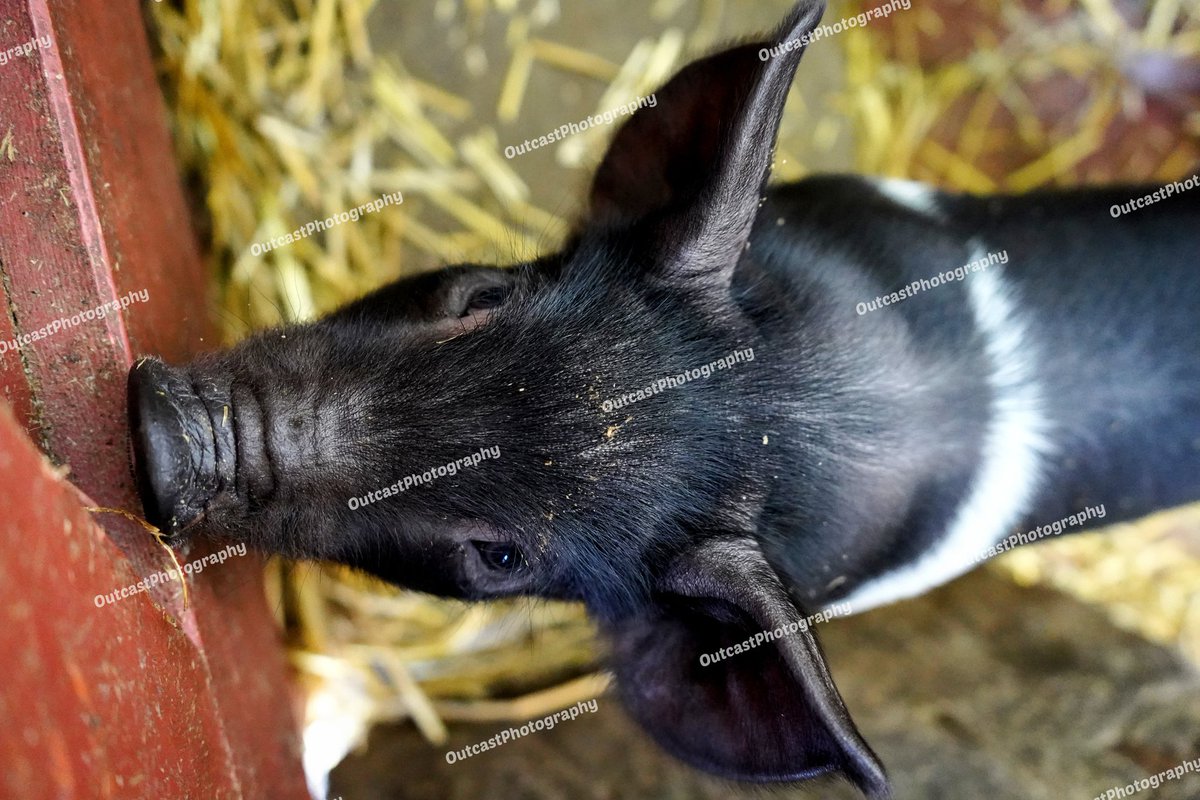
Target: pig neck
point(916, 436)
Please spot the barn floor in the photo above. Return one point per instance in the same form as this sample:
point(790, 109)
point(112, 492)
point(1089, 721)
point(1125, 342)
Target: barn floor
point(980, 689)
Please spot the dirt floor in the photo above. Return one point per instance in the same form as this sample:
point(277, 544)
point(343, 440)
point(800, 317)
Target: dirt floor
point(979, 690)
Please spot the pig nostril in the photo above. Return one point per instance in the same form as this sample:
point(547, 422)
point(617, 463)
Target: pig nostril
point(173, 445)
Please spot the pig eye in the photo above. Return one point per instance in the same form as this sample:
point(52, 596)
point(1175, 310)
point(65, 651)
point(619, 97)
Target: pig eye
point(500, 556)
point(486, 299)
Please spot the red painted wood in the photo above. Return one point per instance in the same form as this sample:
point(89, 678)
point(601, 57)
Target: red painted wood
point(175, 702)
point(91, 211)
point(96, 702)
point(13, 387)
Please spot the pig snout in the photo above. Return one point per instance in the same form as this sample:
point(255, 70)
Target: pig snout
point(216, 444)
point(203, 443)
point(178, 457)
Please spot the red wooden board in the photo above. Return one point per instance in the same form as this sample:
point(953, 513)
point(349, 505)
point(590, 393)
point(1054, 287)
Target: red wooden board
point(143, 697)
point(96, 702)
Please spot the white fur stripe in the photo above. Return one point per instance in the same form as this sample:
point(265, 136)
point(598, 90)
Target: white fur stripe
point(1014, 445)
point(919, 197)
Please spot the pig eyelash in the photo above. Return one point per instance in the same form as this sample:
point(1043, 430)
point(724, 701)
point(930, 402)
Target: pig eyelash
point(486, 299)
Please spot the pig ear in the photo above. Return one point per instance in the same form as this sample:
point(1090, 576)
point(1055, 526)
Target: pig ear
point(770, 713)
point(691, 168)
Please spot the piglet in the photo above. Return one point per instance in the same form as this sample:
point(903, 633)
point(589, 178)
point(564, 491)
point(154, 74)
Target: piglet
point(717, 412)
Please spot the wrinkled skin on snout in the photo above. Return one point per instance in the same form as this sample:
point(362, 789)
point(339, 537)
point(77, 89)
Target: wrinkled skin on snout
point(647, 512)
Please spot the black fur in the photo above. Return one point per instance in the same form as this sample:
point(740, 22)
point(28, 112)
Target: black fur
point(703, 514)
